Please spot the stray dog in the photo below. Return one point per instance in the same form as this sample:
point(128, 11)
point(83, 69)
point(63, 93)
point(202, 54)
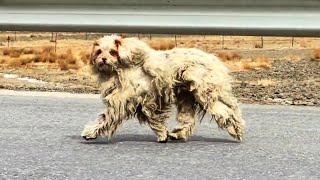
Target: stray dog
point(138, 81)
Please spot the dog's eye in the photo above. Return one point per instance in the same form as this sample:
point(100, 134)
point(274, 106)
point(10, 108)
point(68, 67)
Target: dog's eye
point(99, 51)
point(113, 52)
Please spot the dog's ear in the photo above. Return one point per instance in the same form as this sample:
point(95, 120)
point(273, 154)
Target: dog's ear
point(118, 42)
point(93, 54)
point(123, 35)
point(95, 43)
point(123, 54)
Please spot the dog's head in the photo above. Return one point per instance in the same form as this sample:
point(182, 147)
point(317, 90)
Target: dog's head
point(105, 53)
point(111, 53)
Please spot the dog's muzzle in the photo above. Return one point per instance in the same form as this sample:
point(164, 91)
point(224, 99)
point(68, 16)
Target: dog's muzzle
point(103, 62)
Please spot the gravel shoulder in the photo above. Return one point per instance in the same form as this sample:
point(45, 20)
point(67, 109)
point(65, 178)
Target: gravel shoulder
point(286, 82)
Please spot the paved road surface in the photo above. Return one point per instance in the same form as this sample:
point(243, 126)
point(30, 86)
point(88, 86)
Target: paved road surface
point(39, 139)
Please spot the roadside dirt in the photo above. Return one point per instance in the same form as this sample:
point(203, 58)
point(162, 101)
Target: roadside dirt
point(280, 72)
point(286, 82)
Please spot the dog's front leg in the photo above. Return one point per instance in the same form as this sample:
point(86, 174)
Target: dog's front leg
point(157, 122)
point(105, 125)
point(93, 129)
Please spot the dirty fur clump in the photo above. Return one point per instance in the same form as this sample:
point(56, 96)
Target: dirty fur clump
point(138, 81)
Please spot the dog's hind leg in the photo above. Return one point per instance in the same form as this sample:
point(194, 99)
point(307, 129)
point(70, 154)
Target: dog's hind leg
point(212, 91)
point(227, 115)
point(225, 110)
point(186, 117)
point(160, 129)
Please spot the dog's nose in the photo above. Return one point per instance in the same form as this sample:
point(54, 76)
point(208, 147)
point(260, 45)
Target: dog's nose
point(104, 60)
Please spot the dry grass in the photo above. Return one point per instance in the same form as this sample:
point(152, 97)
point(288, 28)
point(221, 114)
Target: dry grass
point(258, 46)
point(86, 71)
point(47, 49)
point(47, 54)
point(43, 51)
point(68, 61)
point(65, 61)
point(84, 57)
point(63, 65)
point(266, 82)
point(2, 61)
point(12, 52)
point(6, 52)
point(292, 58)
point(68, 57)
point(15, 54)
point(29, 51)
point(228, 56)
point(161, 44)
point(20, 61)
point(260, 62)
point(303, 44)
point(316, 55)
point(26, 60)
point(14, 63)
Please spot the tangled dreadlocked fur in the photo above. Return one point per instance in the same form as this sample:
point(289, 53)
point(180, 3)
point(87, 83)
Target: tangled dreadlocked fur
point(138, 81)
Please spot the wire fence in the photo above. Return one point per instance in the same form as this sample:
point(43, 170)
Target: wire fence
point(206, 42)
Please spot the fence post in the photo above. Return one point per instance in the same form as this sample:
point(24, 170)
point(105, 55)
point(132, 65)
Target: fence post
point(292, 41)
point(15, 36)
point(175, 40)
point(51, 37)
point(150, 36)
point(205, 46)
point(86, 36)
point(222, 42)
point(8, 40)
point(55, 43)
point(262, 42)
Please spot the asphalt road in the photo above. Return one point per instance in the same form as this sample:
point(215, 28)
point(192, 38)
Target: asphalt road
point(40, 139)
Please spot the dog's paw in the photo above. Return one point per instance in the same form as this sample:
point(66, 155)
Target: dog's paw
point(89, 132)
point(88, 138)
point(176, 137)
point(236, 133)
point(163, 139)
point(178, 134)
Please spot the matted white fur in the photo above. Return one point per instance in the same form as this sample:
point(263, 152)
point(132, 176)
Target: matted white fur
point(139, 81)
